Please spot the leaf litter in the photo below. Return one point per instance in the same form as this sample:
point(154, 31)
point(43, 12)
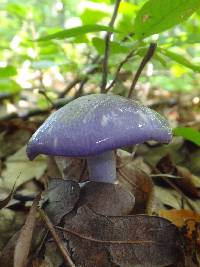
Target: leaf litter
point(60, 198)
point(23, 243)
point(85, 231)
point(137, 240)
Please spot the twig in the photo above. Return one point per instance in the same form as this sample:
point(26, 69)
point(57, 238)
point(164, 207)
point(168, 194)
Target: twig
point(165, 175)
point(59, 242)
point(4, 202)
point(81, 86)
point(183, 196)
point(41, 244)
point(69, 87)
point(37, 111)
point(145, 60)
point(24, 240)
point(130, 55)
point(107, 48)
point(42, 89)
point(43, 92)
point(84, 78)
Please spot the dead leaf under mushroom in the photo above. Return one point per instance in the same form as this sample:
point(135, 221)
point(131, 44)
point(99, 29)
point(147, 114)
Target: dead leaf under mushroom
point(138, 240)
point(107, 199)
point(60, 198)
point(131, 176)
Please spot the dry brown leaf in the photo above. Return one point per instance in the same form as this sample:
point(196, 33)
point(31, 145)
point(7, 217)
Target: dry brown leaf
point(134, 179)
point(153, 154)
point(182, 218)
point(194, 162)
point(12, 140)
point(124, 241)
point(60, 198)
point(106, 199)
point(186, 184)
point(72, 168)
point(130, 174)
point(52, 254)
point(5, 201)
point(19, 163)
point(6, 258)
point(24, 240)
point(7, 227)
point(37, 262)
point(172, 198)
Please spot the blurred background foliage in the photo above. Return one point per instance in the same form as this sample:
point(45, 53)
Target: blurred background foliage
point(36, 73)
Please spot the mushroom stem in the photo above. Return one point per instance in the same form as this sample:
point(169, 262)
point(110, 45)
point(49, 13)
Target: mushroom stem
point(102, 167)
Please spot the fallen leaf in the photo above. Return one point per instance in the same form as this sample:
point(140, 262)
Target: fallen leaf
point(60, 198)
point(6, 258)
point(72, 168)
point(52, 169)
point(38, 262)
point(154, 154)
point(135, 180)
point(137, 240)
point(168, 197)
point(10, 223)
point(194, 162)
point(25, 236)
point(20, 164)
point(171, 198)
point(182, 218)
point(130, 177)
point(166, 165)
point(187, 183)
point(52, 255)
point(5, 201)
point(106, 199)
point(12, 141)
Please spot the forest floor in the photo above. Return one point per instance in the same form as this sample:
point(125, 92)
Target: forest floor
point(164, 178)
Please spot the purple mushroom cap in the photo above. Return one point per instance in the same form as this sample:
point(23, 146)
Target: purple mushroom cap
point(96, 123)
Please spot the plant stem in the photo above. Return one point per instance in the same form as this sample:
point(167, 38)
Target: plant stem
point(145, 60)
point(107, 48)
point(60, 244)
point(130, 55)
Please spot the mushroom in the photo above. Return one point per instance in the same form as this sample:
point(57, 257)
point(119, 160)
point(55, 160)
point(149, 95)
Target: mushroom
point(93, 126)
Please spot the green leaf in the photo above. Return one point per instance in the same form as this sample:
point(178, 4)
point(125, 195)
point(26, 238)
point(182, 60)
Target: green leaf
point(76, 31)
point(7, 71)
point(8, 85)
point(179, 59)
point(17, 9)
point(115, 48)
point(128, 8)
point(156, 16)
point(192, 39)
point(50, 49)
point(91, 16)
point(188, 133)
point(81, 39)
